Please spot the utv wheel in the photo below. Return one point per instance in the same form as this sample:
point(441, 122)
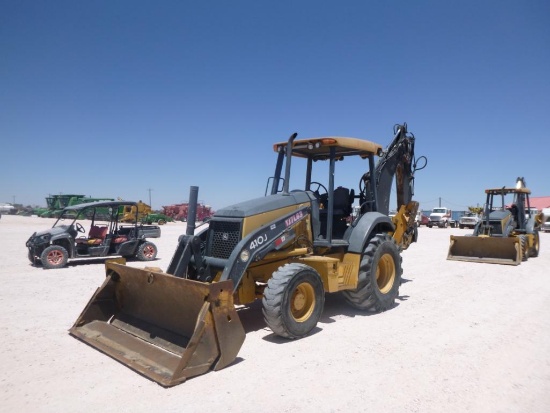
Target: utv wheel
point(146, 251)
point(379, 276)
point(161, 222)
point(534, 250)
point(293, 300)
point(54, 257)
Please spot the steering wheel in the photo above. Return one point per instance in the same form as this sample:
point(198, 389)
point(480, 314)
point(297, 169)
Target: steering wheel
point(319, 186)
point(80, 228)
point(321, 196)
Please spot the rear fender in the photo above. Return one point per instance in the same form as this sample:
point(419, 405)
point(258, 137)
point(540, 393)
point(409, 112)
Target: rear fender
point(129, 247)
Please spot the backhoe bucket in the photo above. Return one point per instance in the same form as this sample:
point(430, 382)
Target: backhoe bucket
point(166, 328)
point(495, 250)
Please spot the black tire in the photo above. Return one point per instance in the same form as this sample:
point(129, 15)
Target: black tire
point(161, 222)
point(379, 276)
point(429, 225)
point(461, 226)
point(523, 248)
point(293, 300)
point(534, 250)
point(54, 257)
point(146, 251)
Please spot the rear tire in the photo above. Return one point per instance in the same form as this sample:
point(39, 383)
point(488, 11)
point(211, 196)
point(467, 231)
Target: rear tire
point(379, 276)
point(147, 251)
point(54, 257)
point(293, 300)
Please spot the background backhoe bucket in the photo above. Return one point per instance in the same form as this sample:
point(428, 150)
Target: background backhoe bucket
point(495, 250)
point(167, 328)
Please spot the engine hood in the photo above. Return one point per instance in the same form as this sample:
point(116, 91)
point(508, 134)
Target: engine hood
point(53, 231)
point(264, 204)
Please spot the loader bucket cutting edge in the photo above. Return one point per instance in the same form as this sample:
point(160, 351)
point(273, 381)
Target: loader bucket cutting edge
point(164, 327)
point(495, 250)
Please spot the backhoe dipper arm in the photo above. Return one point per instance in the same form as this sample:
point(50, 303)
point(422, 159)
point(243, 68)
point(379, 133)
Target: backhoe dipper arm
point(397, 160)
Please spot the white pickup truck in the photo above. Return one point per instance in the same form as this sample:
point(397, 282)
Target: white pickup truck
point(468, 220)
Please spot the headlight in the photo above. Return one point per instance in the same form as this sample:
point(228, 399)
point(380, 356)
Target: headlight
point(43, 238)
point(245, 255)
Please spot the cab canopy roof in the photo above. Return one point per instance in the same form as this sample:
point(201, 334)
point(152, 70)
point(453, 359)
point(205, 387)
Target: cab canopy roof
point(319, 148)
point(102, 204)
point(505, 191)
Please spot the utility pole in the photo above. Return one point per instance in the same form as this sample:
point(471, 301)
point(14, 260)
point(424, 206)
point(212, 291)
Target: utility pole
point(439, 202)
point(151, 205)
point(13, 200)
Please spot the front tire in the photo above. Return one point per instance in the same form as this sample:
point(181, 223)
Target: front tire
point(293, 300)
point(524, 248)
point(534, 250)
point(379, 276)
point(54, 257)
point(147, 251)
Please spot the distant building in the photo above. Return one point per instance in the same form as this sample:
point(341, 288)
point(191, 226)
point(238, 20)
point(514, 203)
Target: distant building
point(539, 202)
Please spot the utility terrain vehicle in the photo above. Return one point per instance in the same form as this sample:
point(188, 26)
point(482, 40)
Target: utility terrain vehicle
point(106, 236)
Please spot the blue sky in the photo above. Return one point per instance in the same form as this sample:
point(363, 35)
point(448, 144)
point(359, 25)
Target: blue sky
point(113, 98)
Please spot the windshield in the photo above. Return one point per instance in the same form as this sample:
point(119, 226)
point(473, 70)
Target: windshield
point(439, 210)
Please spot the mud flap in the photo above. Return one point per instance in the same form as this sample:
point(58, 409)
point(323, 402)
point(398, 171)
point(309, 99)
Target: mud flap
point(167, 328)
point(495, 250)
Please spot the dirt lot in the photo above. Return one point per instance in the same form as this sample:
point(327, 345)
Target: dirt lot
point(463, 337)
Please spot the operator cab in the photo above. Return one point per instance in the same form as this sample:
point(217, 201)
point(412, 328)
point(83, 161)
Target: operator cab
point(332, 205)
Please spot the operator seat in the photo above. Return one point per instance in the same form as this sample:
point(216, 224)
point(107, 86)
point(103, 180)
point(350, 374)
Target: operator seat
point(343, 201)
point(514, 211)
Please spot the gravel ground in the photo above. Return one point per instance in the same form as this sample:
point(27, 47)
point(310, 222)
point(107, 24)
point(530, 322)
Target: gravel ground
point(463, 337)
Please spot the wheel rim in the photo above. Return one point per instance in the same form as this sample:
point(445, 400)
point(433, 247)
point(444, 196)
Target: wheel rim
point(385, 273)
point(55, 257)
point(302, 302)
point(148, 251)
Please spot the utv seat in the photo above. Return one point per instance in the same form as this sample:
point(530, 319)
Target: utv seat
point(95, 236)
point(119, 239)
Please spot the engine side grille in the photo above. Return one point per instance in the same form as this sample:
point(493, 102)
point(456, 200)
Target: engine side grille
point(223, 236)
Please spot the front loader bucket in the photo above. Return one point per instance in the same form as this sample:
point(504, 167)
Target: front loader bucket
point(166, 328)
point(495, 250)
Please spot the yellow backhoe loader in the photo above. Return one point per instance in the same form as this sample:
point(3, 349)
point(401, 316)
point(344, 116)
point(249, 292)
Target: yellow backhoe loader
point(286, 249)
point(508, 232)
